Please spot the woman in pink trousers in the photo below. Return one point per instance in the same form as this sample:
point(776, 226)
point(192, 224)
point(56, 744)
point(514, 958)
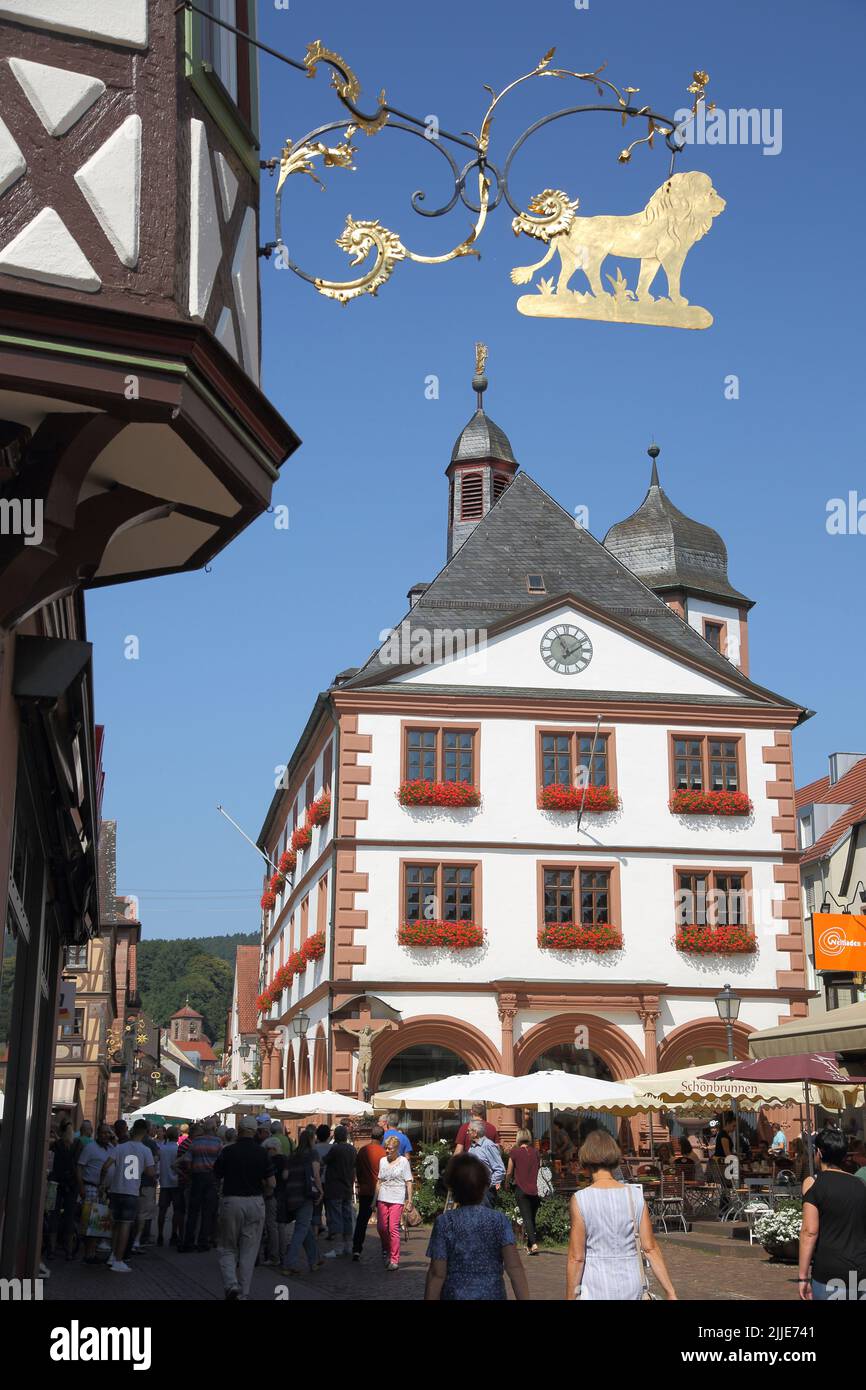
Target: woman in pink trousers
point(393, 1195)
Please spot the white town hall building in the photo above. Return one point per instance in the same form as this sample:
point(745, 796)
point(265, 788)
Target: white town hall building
point(551, 848)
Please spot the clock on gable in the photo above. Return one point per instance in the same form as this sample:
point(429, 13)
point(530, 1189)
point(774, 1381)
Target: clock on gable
point(566, 649)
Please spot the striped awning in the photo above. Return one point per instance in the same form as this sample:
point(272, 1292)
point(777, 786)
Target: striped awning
point(835, 1030)
point(65, 1090)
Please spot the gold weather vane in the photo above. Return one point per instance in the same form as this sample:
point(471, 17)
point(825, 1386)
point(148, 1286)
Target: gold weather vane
point(481, 355)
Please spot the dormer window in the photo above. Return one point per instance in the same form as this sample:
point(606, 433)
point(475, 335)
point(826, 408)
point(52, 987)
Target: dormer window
point(535, 584)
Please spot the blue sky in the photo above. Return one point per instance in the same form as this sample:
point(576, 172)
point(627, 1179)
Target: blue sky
point(231, 661)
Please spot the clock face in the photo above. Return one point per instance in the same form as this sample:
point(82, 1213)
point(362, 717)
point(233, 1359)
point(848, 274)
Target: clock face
point(566, 649)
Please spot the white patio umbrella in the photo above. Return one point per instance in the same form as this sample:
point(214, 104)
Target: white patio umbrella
point(320, 1103)
point(187, 1103)
point(451, 1093)
point(558, 1090)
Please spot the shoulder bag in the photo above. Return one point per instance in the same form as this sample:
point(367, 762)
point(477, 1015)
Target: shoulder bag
point(646, 1296)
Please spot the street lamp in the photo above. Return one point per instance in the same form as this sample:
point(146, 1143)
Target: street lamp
point(300, 1024)
point(728, 1006)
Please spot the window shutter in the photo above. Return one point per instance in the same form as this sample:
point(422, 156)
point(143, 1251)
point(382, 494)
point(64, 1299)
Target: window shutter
point(472, 497)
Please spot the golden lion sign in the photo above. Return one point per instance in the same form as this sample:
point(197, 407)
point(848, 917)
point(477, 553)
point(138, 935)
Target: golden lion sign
point(840, 941)
point(660, 236)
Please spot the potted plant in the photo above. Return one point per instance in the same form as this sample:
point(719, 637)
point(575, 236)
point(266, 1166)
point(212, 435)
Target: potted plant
point(704, 940)
point(288, 862)
point(319, 811)
point(574, 936)
point(686, 802)
point(302, 837)
point(420, 792)
point(562, 797)
point(779, 1231)
point(457, 936)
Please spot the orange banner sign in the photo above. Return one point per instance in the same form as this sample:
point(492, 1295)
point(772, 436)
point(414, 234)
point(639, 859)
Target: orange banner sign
point(840, 941)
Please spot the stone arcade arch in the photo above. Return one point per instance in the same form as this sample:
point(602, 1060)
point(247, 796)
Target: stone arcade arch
point(691, 1038)
point(606, 1040)
point(468, 1042)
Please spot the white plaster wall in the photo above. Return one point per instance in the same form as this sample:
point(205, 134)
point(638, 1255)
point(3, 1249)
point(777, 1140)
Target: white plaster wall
point(510, 919)
point(479, 1010)
point(316, 970)
point(509, 814)
point(619, 662)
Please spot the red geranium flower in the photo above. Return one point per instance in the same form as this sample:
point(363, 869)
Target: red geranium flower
point(457, 936)
point(686, 802)
point(288, 861)
point(697, 940)
point(419, 792)
point(314, 947)
point(576, 936)
point(562, 797)
point(268, 901)
point(263, 1002)
point(302, 837)
point(319, 811)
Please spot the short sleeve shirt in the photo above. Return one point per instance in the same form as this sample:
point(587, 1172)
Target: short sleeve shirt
point(90, 1163)
point(405, 1144)
point(470, 1241)
point(393, 1178)
point(130, 1161)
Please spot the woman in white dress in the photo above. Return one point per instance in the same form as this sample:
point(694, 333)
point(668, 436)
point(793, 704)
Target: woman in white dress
point(603, 1261)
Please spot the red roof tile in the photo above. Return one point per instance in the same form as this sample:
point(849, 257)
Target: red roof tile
point(850, 790)
point(199, 1045)
point(247, 976)
point(187, 1012)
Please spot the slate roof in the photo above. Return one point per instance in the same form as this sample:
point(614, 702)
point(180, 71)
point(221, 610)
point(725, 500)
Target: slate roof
point(484, 585)
point(669, 550)
point(482, 439)
point(247, 977)
point(850, 791)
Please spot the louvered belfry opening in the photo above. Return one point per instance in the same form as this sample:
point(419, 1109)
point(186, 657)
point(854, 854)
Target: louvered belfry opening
point(472, 497)
point(500, 483)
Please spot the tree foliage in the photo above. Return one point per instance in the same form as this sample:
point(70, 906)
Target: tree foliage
point(202, 969)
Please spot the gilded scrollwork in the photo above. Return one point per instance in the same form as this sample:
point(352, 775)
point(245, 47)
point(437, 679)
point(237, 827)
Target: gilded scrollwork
point(550, 217)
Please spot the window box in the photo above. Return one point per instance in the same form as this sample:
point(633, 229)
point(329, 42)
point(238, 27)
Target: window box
point(319, 811)
point(419, 792)
point(696, 940)
point(688, 802)
point(268, 901)
point(313, 948)
point(302, 837)
point(264, 1002)
point(457, 936)
point(277, 883)
point(558, 797)
point(288, 862)
point(574, 936)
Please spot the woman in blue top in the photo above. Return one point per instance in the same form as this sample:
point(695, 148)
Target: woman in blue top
point(472, 1246)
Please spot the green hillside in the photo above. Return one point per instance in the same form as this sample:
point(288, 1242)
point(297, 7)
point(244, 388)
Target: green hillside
point(200, 968)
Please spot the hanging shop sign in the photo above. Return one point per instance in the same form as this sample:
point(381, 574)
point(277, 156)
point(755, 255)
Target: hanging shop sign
point(840, 941)
point(588, 250)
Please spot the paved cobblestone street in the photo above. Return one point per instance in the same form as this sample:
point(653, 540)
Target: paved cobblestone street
point(163, 1274)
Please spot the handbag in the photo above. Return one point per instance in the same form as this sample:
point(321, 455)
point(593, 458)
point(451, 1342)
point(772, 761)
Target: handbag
point(544, 1183)
point(647, 1295)
point(413, 1216)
